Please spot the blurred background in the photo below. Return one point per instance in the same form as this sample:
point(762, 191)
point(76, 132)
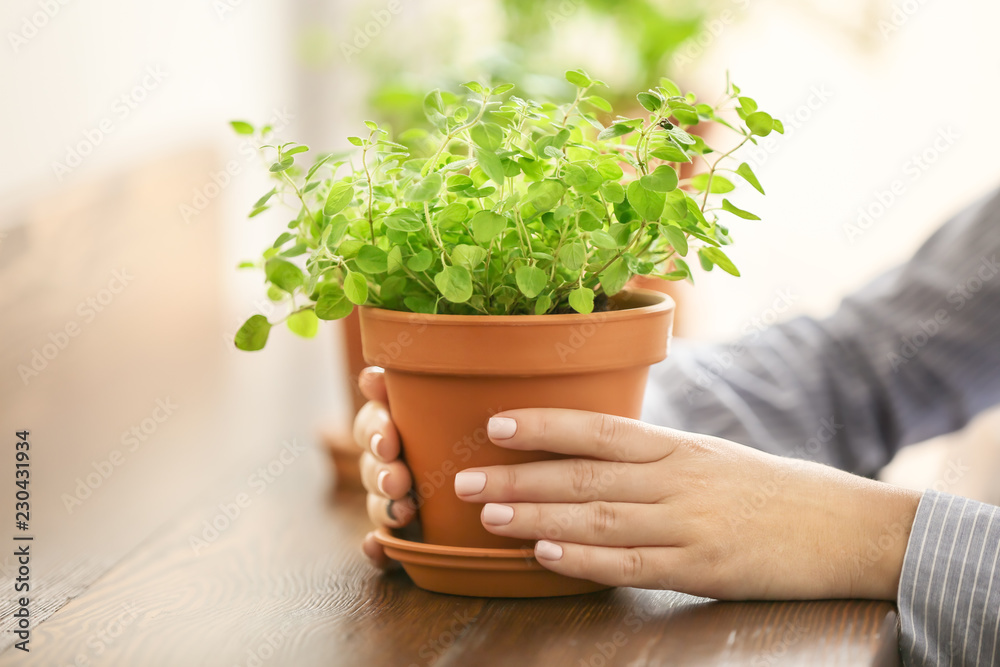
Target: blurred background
point(125, 194)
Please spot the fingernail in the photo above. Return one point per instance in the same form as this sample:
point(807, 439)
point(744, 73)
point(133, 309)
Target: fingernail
point(548, 550)
point(468, 483)
point(376, 446)
point(380, 482)
point(501, 428)
point(497, 515)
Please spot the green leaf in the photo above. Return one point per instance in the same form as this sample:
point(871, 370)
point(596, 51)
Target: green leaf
point(457, 182)
point(455, 283)
point(421, 261)
point(242, 127)
point(451, 215)
point(610, 170)
point(647, 203)
point(253, 334)
point(746, 172)
point(779, 127)
point(264, 199)
point(719, 258)
point(425, 189)
point(544, 195)
point(474, 86)
point(487, 136)
point(747, 105)
point(676, 207)
point(578, 78)
point(746, 215)
point(650, 102)
point(542, 304)
point(490, 164)
point(403, 220)
point(372, 259)
point(614, 277)
point(333, 305)
point(296, 150)
point(531, 280)
point(720, 184)
point(340, 195)
point(469, 256)
point(677, 239)
point(760, 123)
point(616, 130)
point(486, 225)
point(613, 192)
point(281, 165)
point(394, 259)
point(421, 304)
point(670, 153)
point(589, 222)
point(671, 88)
point(663, 179)
point(303, 323)
point(603, 240)
point(356, 288)
point(598, 102)
point(583, 178)
point(573, 256)
point(582, 300)
point(283, 274)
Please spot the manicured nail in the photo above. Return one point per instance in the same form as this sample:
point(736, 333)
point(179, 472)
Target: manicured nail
point(376, 446)
point(380, 482)
point(501, 428)
point(468, 483)
point(497, 515)
point(548, 550)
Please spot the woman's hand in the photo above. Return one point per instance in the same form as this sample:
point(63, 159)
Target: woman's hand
point(386, 478)
point(657, 508)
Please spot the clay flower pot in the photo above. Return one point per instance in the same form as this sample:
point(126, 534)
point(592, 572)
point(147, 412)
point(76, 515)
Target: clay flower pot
point(447, 374)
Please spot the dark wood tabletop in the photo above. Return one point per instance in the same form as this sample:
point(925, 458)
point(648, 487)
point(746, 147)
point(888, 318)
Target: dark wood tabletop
point(220, 537)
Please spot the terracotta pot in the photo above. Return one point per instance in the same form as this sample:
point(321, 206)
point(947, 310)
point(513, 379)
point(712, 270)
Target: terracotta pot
point(447, 374)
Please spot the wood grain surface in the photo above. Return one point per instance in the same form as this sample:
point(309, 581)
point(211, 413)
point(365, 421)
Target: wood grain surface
point(136, 574)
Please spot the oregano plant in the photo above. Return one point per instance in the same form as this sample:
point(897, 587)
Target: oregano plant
point(505, 206)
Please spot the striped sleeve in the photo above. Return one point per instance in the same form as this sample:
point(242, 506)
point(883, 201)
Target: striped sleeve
point(949, 591)
point(912, 355)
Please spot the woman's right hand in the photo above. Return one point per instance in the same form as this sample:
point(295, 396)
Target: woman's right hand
point(384, 476)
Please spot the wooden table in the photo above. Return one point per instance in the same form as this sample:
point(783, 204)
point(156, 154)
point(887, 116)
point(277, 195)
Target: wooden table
point(135, 575)
point(286, 584)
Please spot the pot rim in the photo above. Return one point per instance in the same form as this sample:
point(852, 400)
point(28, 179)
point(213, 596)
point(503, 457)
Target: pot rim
point(662, 302)
point(387, 539)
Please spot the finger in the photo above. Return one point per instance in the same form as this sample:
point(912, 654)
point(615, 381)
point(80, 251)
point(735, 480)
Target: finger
point(598, 523)
point(561, 481)
point(371, 381)
point(390, 513)
point(581, 433)
point(375, 431)
point(389, 480)
point(376, 554)
point(641, 567)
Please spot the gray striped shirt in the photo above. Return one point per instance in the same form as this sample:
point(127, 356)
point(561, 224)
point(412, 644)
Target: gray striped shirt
point(914, 354)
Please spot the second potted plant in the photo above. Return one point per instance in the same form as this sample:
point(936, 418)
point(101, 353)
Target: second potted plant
point(492, 272)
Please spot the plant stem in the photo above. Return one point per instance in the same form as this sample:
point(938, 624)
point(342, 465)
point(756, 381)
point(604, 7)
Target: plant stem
point(452, 134)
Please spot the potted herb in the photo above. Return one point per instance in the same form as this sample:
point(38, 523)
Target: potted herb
point(491, 270)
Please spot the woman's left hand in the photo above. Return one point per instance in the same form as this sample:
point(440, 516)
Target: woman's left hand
point(654, 507)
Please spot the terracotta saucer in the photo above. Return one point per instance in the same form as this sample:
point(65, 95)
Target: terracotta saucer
point(495, 573)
